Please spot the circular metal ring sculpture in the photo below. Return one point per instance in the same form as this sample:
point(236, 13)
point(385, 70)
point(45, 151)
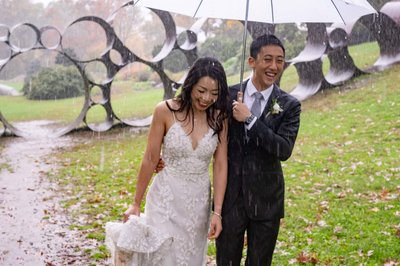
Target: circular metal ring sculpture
point(321, 42)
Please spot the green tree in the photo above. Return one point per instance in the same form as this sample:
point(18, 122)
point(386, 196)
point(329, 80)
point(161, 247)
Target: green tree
point(220, 47)
point(292, 37)
point(176, 60)
point(225, 42)
point(54, 83)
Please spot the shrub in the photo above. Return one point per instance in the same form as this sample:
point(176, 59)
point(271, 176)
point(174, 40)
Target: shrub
point(144, 76)
point(61, 59)
point(54, 83)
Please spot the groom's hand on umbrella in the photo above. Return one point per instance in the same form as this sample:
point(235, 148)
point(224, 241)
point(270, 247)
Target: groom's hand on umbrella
point(240, 111)
point(240, 96)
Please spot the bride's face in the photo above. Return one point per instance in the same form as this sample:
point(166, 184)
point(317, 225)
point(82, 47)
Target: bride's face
point(204, 93)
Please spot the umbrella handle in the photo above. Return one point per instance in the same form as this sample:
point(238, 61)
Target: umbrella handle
point(240, 96)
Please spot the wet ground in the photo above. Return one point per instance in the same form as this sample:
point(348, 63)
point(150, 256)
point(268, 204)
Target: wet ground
point(33, 227)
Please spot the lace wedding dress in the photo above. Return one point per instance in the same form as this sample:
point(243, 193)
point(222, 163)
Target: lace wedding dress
point(173, 229)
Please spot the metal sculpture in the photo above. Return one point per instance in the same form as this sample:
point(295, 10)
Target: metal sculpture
point(386, 29)
point(188, 48)
point(321, 42)
point(342, 67)
point(309, 62)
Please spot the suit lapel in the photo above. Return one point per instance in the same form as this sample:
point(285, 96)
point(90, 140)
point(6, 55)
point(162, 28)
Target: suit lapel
point(274, 95)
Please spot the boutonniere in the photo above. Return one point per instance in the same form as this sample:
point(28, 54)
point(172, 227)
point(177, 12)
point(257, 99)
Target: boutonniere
point(275, 108)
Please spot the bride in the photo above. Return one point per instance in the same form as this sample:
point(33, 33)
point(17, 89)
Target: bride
point(190, 130)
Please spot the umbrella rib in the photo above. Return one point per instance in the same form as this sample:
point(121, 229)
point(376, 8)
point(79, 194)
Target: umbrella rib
point(272, 12)
point(197, 9)
point(333, 3)
point(244, 46)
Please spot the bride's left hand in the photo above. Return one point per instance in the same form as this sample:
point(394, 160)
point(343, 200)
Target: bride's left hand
point(215, 227)
point(132, 210)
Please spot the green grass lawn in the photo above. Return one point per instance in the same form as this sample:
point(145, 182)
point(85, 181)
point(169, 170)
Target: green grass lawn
point(14, 84)
point(342, 181)
point(135, 103)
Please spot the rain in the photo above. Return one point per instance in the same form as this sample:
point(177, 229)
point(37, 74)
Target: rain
point(120, 55)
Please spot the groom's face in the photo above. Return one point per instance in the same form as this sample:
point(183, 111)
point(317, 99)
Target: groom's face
point(267, 66)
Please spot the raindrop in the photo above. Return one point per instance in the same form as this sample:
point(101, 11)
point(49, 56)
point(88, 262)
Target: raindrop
point(277, 148)
point(363, 40)
point(102, 159)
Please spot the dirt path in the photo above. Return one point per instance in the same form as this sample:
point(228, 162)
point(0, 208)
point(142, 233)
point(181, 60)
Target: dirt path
point(33, 228)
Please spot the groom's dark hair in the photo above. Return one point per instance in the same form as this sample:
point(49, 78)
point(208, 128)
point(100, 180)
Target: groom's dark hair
point(263, 40)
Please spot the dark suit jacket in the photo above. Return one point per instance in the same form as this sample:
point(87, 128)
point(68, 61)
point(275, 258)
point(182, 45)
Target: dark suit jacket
point(254, 166)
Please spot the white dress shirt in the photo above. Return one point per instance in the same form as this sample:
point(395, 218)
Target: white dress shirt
point(248, 98)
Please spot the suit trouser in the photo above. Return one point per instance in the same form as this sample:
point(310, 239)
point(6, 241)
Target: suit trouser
point(261, 238)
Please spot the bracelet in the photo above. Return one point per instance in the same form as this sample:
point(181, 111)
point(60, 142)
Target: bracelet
point(217, 214)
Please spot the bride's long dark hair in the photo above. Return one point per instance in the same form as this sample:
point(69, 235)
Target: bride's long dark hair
point(217, 112)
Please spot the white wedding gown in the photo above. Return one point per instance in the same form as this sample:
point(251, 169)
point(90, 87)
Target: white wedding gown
point(173, 229)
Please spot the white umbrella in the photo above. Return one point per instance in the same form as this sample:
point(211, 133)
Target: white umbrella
point(267, 11)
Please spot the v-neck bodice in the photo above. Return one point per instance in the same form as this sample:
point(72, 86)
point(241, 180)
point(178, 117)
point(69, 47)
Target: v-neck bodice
point(180, 155)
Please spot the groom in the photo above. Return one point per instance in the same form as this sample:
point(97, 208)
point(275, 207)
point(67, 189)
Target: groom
point(262, 133)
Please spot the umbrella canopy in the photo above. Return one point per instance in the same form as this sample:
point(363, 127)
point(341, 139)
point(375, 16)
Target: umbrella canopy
point(268, 11)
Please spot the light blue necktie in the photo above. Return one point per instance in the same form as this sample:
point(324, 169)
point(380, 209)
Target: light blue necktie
point(256, 107)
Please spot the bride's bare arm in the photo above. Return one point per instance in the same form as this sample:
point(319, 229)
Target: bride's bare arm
point(220, 173)
point(150, 158)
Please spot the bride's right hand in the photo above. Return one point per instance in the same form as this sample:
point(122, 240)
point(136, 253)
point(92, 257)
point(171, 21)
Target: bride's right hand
point(132, 210)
